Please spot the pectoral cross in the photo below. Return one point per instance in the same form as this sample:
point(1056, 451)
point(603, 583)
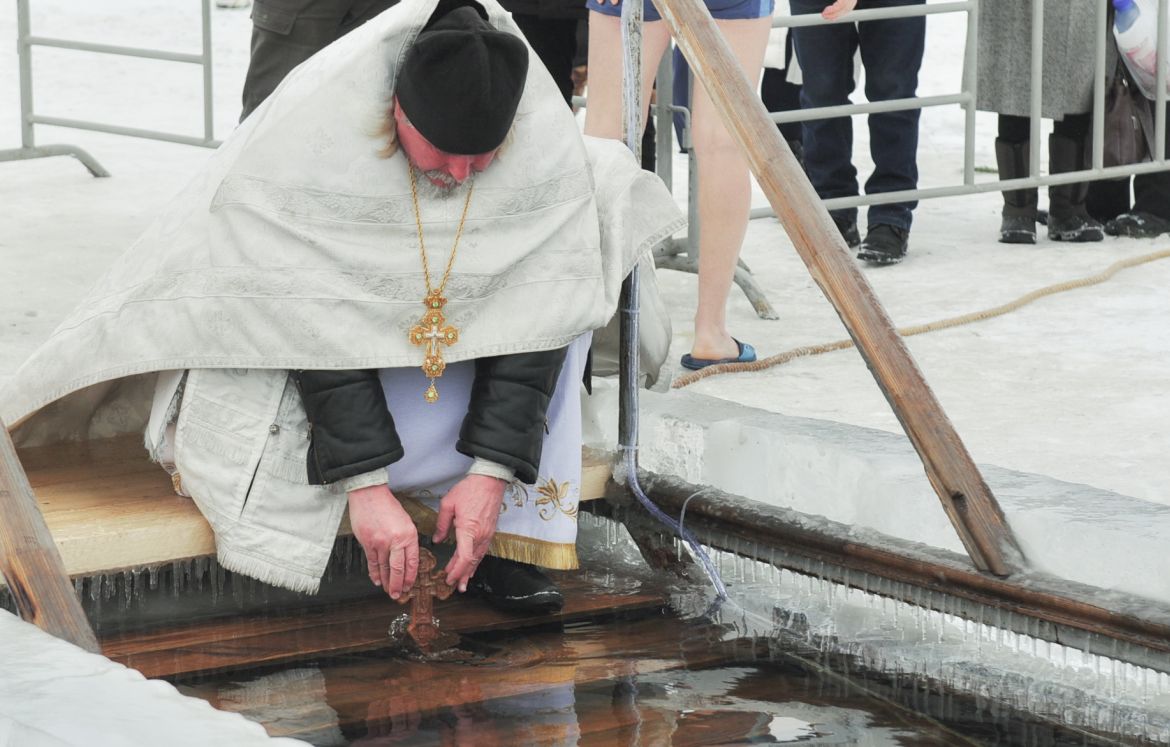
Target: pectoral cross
point(430, 332)
point(429, 585)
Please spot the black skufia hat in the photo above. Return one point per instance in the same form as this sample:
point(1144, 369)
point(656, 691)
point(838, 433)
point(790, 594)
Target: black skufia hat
point(461, 81)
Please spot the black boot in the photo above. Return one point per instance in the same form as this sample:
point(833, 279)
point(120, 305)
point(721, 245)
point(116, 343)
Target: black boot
point(1019, 206)
point(517, 587)
point(1068, 219)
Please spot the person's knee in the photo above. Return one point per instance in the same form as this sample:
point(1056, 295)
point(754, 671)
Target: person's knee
point(887, 82)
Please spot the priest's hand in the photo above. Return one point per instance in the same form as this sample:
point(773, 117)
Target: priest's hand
point(473, 506)
point(388, 536)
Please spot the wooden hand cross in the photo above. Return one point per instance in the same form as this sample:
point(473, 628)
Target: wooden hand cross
point(430, 585)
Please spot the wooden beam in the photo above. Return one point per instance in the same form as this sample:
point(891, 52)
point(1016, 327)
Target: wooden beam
point(29, 560)
point(965, 497)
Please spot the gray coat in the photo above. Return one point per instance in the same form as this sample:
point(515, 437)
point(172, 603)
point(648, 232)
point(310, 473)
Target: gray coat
point(1005, 56)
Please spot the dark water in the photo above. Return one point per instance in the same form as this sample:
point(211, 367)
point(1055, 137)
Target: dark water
point(653, 680)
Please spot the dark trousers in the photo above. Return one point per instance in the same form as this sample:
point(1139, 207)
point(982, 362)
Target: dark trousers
point(285, 33)
point(555, 42)
point(891, 52)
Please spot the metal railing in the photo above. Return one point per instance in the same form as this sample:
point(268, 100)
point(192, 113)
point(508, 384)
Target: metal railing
point(29, 118)
point(966, 98)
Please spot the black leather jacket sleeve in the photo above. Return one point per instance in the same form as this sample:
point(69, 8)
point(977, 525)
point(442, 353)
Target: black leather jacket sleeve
point(509, 401)
point(351, 430)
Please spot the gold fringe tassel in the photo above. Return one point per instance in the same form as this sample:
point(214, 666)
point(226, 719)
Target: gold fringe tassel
point(559, 556)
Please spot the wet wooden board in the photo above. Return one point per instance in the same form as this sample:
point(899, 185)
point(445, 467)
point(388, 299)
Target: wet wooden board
point(381, 693)
point(109, 508)
point(649, 681)
point(355, 626)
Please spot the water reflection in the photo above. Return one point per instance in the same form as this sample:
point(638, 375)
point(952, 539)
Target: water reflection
point(646, 682)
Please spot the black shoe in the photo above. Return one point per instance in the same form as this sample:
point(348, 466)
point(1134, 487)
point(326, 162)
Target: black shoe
point(884, 244)
point(1017, 229)
point(1137, 225)
point(848, 229)
point(517, 587)
point(1075, 226)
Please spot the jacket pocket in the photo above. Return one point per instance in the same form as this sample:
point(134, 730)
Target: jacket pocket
point(219, 438)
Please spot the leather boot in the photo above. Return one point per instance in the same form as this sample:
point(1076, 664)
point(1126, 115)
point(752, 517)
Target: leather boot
point(1068, 219)
point(1019, 206)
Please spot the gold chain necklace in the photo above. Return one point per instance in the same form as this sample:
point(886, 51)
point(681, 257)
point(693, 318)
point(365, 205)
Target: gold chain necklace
point(432, 329)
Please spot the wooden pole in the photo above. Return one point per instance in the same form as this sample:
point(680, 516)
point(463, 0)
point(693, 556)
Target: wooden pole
point(29, 560)
point(965, 496)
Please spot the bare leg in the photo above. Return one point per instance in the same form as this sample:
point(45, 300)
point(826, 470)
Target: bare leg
point(603, 114)
point(724, 195)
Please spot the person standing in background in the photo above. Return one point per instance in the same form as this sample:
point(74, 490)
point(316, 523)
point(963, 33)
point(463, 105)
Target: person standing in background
point(1005, 62)
point(891, 53)
point(285, 33)
point(724, 181)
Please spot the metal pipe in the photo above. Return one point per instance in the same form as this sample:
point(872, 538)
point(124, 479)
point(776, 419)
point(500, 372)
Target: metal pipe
point(663, 120)
point(24, 53)
point(631, 18)
point(871, 107)
point(970, 89)
point(877, 14)
point(1099, 88)
point(1037, 86)
point(1068, 177)
point(150, 54)
point(81, 124)
point(208, 78)
point(630, 380)
point(1160, 91)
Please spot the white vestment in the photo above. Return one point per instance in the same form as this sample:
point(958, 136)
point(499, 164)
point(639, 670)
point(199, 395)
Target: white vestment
point(296, 248)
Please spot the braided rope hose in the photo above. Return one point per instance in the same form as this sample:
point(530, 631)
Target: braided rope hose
point(918, 329)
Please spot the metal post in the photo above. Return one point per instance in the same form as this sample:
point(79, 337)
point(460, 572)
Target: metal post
point(1160, 91)
point(664, 120)
point(208, 102)
point(1099, 88)
point(692, 179)
point(24, 52)
point(971, 89)
point(1037, 86)
point(632, 133)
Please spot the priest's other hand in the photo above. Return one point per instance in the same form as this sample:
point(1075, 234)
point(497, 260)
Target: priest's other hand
point(473, 506)
point(388, 536)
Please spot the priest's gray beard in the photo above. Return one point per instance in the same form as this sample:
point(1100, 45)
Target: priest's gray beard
point(447, 187)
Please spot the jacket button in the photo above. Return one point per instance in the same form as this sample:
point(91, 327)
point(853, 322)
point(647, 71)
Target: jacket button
point(274, 429)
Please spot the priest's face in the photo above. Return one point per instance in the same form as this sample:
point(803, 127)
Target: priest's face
point(445, 171)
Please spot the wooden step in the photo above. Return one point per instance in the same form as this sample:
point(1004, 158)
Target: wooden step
point(109, 508)
point(361, 625)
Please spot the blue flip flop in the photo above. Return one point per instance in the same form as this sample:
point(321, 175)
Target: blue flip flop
point(747, 354)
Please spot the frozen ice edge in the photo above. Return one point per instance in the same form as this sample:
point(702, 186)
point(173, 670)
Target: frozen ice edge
point(874, 481)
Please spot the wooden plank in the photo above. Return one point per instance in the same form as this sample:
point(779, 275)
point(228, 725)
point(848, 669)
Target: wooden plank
point(357, 626)
point(109, 507)
point(965, 497)
point(29, 560)
point(375, 692)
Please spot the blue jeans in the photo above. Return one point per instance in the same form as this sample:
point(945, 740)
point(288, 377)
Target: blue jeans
point(891, 52)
